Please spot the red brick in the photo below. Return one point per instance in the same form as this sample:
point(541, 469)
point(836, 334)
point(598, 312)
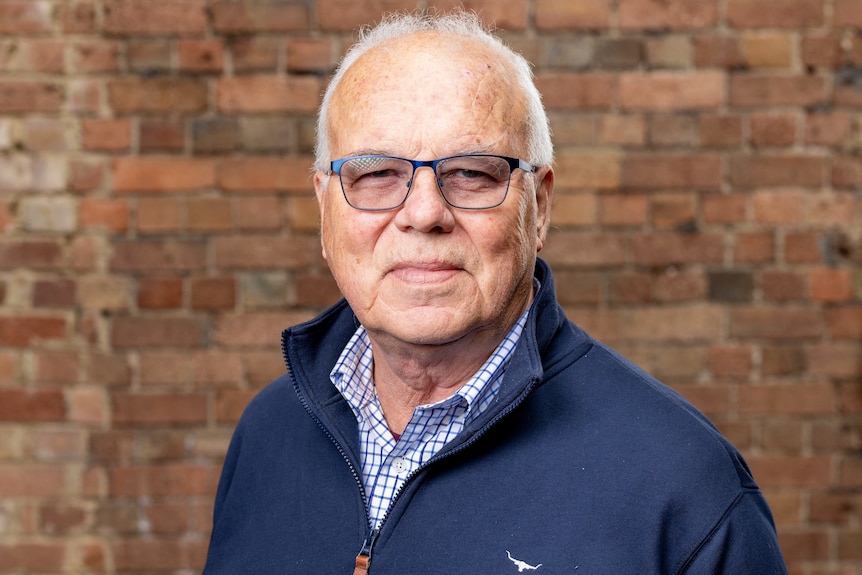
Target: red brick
point(802, 247)
point(586, 14)
point(787, 471)
point(672, 211)
point(675, 286)
point(160, 293)
point(106, 135)
point(134, 555)
point(672, 171)
point(260, 213)
point(31, 480)
point(34, 55)
point(157, 95)
point(729, 361)
point(149, 256)
point(86, 175)
point(161, 135)
point(103, 213)
point(217, 368)
point(585, 249)
point(155, 17)
point(683, 323)
point(717, 52)
point(830, 285)
point(260, 16)
point(754, 247)
point(53, 293)
point(676, 14)
point(317, 290)
point(768, 50)
point(779, 207)
point(840, 360)
point(160, 215)
point(163, 480)
point(673, 130)
point(807, 545)
point(264, 252)
point(77, 17)
point(96, 56)
point(587, 171)
point(783, 286)
point(847, 13)
point(265, 93)
point(781, 14)
point(776, 323)
point(772, 170)
point(20, 17)
point(772, 90)
point(310, 55)
point(254, 330)
point(622, 210)
point(846, 172)
point(26, 331)
point(828, 129)
point(230, 404)
point(33, 254)
point(622, 130)
point(166, 368)
point(724, 208)
point(129, 332)
point(845, 322)
point(201, 55)
point(254, 54)
point(671, 90)
point(835, 508)
point(39, 405)
point(265, 174)
point(158, 410)
point(623, 288)
point(162, 174)
point(148, 56)
point(209, 215)
point(779, 436)
point(561, 91)
point(848, 544)
point(720, 131)
point(773, 130)
point(30, 96)
point(668, 248)
point(32, 557)
point(800, 399)
point(212, 293)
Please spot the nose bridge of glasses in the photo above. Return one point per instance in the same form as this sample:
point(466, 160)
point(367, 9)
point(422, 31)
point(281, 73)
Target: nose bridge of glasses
point(432, 165)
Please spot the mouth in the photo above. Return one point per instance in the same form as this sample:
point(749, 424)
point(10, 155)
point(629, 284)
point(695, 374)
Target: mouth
point(424, 273)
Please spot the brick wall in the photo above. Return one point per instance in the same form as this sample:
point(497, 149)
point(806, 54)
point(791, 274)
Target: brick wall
point(159, 230)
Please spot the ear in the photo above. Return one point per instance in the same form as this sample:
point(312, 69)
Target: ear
point(544, 197)
point(321, 181)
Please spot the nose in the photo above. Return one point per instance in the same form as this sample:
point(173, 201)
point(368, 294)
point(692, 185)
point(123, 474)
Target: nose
point(425, 208)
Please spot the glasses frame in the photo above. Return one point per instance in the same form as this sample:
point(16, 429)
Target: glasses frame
point(514, 163)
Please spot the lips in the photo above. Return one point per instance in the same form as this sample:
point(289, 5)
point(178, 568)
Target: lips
point(424, 273)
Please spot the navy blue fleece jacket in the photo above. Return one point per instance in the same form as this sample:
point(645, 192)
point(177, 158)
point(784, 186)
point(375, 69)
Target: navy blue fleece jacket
point(584, 465)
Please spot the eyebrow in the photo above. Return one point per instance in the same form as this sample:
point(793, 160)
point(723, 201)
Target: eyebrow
point(380, 152)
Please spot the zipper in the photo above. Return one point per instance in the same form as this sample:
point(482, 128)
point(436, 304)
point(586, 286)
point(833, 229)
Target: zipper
point(363, 558)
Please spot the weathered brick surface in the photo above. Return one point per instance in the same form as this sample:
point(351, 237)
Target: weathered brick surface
point(159, 230)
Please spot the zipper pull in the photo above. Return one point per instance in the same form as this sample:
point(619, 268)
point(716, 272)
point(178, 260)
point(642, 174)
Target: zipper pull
point(363, 560)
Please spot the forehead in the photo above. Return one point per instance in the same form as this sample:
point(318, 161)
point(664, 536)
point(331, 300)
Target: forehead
point(428, 86)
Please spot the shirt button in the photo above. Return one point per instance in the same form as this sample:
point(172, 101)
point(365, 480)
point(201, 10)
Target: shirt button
point(400, 466)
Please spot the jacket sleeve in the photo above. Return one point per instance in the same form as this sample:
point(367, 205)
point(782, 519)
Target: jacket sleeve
point(744, 541)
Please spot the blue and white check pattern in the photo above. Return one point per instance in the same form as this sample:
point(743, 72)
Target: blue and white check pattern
point(386, 463)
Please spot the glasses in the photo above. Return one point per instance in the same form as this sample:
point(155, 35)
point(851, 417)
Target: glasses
point(468, 182)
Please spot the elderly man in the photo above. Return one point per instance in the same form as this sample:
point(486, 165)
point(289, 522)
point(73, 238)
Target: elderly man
point(446, 417)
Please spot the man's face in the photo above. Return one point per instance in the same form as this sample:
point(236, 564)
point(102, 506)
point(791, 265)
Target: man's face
point(428, 273)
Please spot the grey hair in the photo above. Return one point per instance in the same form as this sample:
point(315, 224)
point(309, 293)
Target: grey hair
point(539, 146)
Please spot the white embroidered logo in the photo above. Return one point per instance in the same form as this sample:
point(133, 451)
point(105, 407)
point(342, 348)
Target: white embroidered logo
point(522, 565)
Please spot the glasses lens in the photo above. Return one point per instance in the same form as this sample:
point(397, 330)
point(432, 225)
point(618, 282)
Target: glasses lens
point(375, 182)
point(474, 182)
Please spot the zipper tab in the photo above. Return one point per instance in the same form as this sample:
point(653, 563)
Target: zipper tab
point(363, 560)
